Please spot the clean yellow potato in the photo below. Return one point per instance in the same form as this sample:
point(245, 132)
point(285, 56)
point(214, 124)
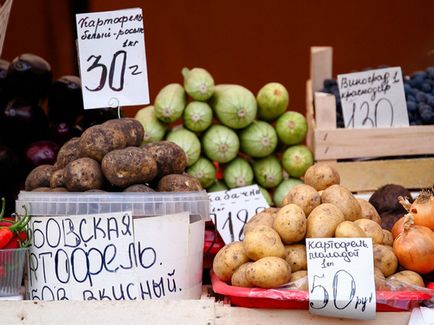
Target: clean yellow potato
point(387, 238)
point(239, 278)
point(371, 229)
point(265, 217)
point(321, 176)
point(298, 281)
point(323, 220)
point(344, 200)
point(369, 211)
point(296, 257)
point(385, 259)
point(348, 229)
point(263, 241)
point(407, 277)
point(290, 223)
point(305, 196)
point(269, 272)
point(228, 259)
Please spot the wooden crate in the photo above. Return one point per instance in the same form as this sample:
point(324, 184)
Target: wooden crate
point(367, 149)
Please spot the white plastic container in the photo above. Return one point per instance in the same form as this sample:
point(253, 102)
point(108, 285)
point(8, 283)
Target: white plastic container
point(86, 246)
point(11, 271)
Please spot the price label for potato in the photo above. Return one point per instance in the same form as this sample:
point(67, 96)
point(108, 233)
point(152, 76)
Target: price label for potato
point(341, 277)
point(232, 209)
point(373, 99)
point(111, 50)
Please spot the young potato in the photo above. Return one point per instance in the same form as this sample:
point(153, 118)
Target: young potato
point(321, 176)
point(179, 183)
point(371, 229)
point(70, 151)
point(228, 259)
point(98, 140)
point(296, 257)
point(83, 174)
point(128, 166)
point(305, 196)
point(269, 272)
point(323, 220)
point(368, 211)
point(407, 277)
point(385, 259)
point(348, 229)
point(299, 281)
point(379, 279)
point(40, 176)
point(263, 241)
point(56, 179)
point(131, 128)
point(290, 223)
point(387, 238)
point(344, 200)
point(265, 217)
point(239, 278)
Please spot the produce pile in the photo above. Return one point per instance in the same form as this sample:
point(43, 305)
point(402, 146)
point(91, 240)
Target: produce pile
point(273, 252)
point(251, 139)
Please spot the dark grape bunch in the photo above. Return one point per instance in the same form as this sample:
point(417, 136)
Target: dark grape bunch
point(419, 95)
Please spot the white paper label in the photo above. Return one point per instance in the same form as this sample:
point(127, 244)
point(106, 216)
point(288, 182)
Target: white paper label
point(231, 209)
point(111, 48)
point(5, 12)
point(373, 99)
point(341, 277)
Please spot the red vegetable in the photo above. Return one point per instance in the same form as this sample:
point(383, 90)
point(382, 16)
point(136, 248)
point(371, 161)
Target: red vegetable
point(11, 230)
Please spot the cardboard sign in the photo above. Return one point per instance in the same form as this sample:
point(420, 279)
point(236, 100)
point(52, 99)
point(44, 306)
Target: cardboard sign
point(5, 11)
point(341, 277)
point(231, 209)
point(111, 48)
point(373, 99)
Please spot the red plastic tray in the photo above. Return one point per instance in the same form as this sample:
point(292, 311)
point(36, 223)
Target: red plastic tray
point(213, 242)
point(298, 299)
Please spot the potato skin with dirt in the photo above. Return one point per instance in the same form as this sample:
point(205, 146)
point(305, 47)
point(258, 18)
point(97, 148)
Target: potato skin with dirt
point(56, 179)
point(385, 259)
point(171, 158)
point(128, 166)
point(68, 152)
point(83, 174)
point(296, 257)
point(228, 259)
point(130, 127)
point(269, 272)
point(139, 188)
point(179, 183)
point(39, 177)
point(98, 140)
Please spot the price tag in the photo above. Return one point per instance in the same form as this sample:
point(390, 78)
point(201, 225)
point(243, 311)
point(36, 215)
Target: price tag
point(341, 277)
point(231, 209)
point(373, 99)
point(111, 48)
point(5, 11)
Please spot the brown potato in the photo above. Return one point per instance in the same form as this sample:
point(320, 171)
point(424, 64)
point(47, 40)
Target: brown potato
point(83, 174)
point(348, 229)
point(58, 189)
point(320, 176)
point(128, 166)
point(344, 200)
point(264, 217)
point(39, 177)
point(228, 259)
point(179, 183)
point(42, 189)
point(67, 153)
point(368, 211)
point(323, 220)
point(299, 281)
point(407, 277)
point(305, 196)
point(290, 223)
point(171, 158)
point(385, 259)
point(269, 272)
point(379, 279)
point(239, 278)
point(296, 257)
point(138, 188)
point(387, 238)
point(263, 241)
point(130, 127)
point(56, 179)
point(98, 140)
point(371, 229)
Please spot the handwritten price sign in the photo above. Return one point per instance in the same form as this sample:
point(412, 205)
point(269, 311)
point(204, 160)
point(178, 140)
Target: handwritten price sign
point(373, 99)
point(111, 50)
point(341, 277)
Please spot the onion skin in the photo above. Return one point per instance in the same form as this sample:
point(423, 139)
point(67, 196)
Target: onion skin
point(398, 227)
point(422, 210)
point(414, 247)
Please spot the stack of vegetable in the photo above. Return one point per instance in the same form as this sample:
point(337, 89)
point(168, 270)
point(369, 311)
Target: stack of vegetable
point(12, 230)
point(250, 138)
point(273, 251)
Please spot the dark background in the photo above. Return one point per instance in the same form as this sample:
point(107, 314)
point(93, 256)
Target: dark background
point(240, 41)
